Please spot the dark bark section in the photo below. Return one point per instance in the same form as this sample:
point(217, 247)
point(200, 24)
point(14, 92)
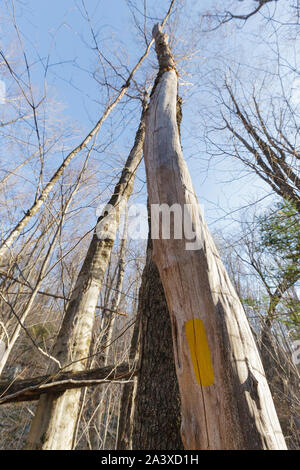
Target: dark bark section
point(156, 423)
point(164, 54)
point(31, 389)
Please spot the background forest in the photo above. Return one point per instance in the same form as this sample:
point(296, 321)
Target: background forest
point(74, 78)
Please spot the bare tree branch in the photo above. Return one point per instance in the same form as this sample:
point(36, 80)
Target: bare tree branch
point(31, 389)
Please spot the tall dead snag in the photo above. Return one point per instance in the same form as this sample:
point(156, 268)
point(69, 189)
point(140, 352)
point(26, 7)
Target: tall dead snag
point(55, 420)
point(225, 399)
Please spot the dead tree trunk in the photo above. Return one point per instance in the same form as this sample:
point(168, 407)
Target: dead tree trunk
point(225, 399)
point(55, 420)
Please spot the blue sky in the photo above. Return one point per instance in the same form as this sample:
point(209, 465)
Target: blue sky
point(57, 29)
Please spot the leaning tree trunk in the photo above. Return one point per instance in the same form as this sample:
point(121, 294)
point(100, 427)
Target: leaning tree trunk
point(54, 423)
point(225, 399)
point(156, 412)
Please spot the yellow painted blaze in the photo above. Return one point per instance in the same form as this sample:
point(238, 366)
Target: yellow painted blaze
point(200, 353)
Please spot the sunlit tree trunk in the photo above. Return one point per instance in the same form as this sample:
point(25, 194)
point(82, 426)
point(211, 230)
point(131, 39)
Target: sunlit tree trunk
point(54, 423)
point(109, 317)
point(98, 434)
point(225, 399)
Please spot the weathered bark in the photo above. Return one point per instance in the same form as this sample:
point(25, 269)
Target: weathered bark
point(225, 399)
point(284, 381)
point(156, 416)
point(31, 389)
point(150, 407)
point(55, 420)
